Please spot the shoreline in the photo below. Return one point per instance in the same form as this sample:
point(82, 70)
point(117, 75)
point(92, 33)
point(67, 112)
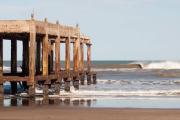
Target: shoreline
point(77, 113)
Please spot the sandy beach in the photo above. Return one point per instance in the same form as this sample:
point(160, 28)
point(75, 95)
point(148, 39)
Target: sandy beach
point(76, 113)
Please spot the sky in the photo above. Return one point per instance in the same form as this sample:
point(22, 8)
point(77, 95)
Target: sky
point(119, 29)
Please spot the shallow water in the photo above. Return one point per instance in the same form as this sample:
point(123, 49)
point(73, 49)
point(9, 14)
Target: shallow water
point(119, 88)
point(121, 102)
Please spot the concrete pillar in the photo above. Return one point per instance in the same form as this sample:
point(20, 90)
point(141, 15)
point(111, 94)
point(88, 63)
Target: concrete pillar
point(1, 68)
point(14, 65)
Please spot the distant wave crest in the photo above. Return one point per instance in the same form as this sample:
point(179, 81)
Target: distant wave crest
point(162, 65)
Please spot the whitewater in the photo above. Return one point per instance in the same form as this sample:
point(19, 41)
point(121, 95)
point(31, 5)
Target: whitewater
point(156, 78)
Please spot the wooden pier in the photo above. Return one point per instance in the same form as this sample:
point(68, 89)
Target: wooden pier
point(41, 41)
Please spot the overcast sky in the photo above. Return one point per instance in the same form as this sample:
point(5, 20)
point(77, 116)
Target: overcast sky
point(120, 29)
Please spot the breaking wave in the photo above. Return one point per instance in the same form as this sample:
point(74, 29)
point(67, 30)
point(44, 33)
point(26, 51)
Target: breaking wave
point(161, 65)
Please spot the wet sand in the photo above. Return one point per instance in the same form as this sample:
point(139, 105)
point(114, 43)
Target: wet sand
point(76, 113)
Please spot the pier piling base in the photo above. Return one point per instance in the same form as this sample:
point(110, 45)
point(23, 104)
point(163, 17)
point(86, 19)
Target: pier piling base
point(88, 79)
point(13, 88)
point(76, 83)
point(31, 91)
point(25, 86)
point(57, 88)
point(45, 91)
point(94, 78)
point(82, 79)
point(67, 85)
point(1, 90)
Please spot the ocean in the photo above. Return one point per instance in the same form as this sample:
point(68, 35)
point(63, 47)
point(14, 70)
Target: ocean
point(126, 84)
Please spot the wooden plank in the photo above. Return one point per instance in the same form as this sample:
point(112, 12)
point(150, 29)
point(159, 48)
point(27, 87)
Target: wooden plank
point(67, 59)
point(14, 78)
point(44, 78)
point(16, 26)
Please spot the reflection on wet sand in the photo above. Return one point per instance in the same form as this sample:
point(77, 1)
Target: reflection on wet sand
point(80, 102)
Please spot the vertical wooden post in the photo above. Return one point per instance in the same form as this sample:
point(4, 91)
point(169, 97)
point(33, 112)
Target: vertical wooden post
point(67, 65)
point(67, 60)
point(51, 63)
point(1, 67)
point(76, 59)
point(13, 64)
point(76, 64)
point(57, 56)
point(45, 55)
point(88, 64)
point(57, 64)
point(32, 49)
point(82, 57)
point(89, 57)
point(45, 43)
point(76, 56)
point(38, 56)
point(82, 63)
point(25, 62)
point(25, 57)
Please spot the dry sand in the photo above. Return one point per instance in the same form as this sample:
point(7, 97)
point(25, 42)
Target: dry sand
point(69, 113)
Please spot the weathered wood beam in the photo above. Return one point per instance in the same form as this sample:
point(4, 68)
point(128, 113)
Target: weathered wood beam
point(76, 56)
point(14, 78)
point(57, 58)
point(51, 57)
point(67, 59)
point(1, 67)
point(25, 62)
point(13, 64)
point(89, 57)
point(13, 56)
point(81, 65)
point(76, 59)
point(32, 49)
point(82, 57)
point(38, 57)
point(45, 54)
point(67, 66)
point(45, 59)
